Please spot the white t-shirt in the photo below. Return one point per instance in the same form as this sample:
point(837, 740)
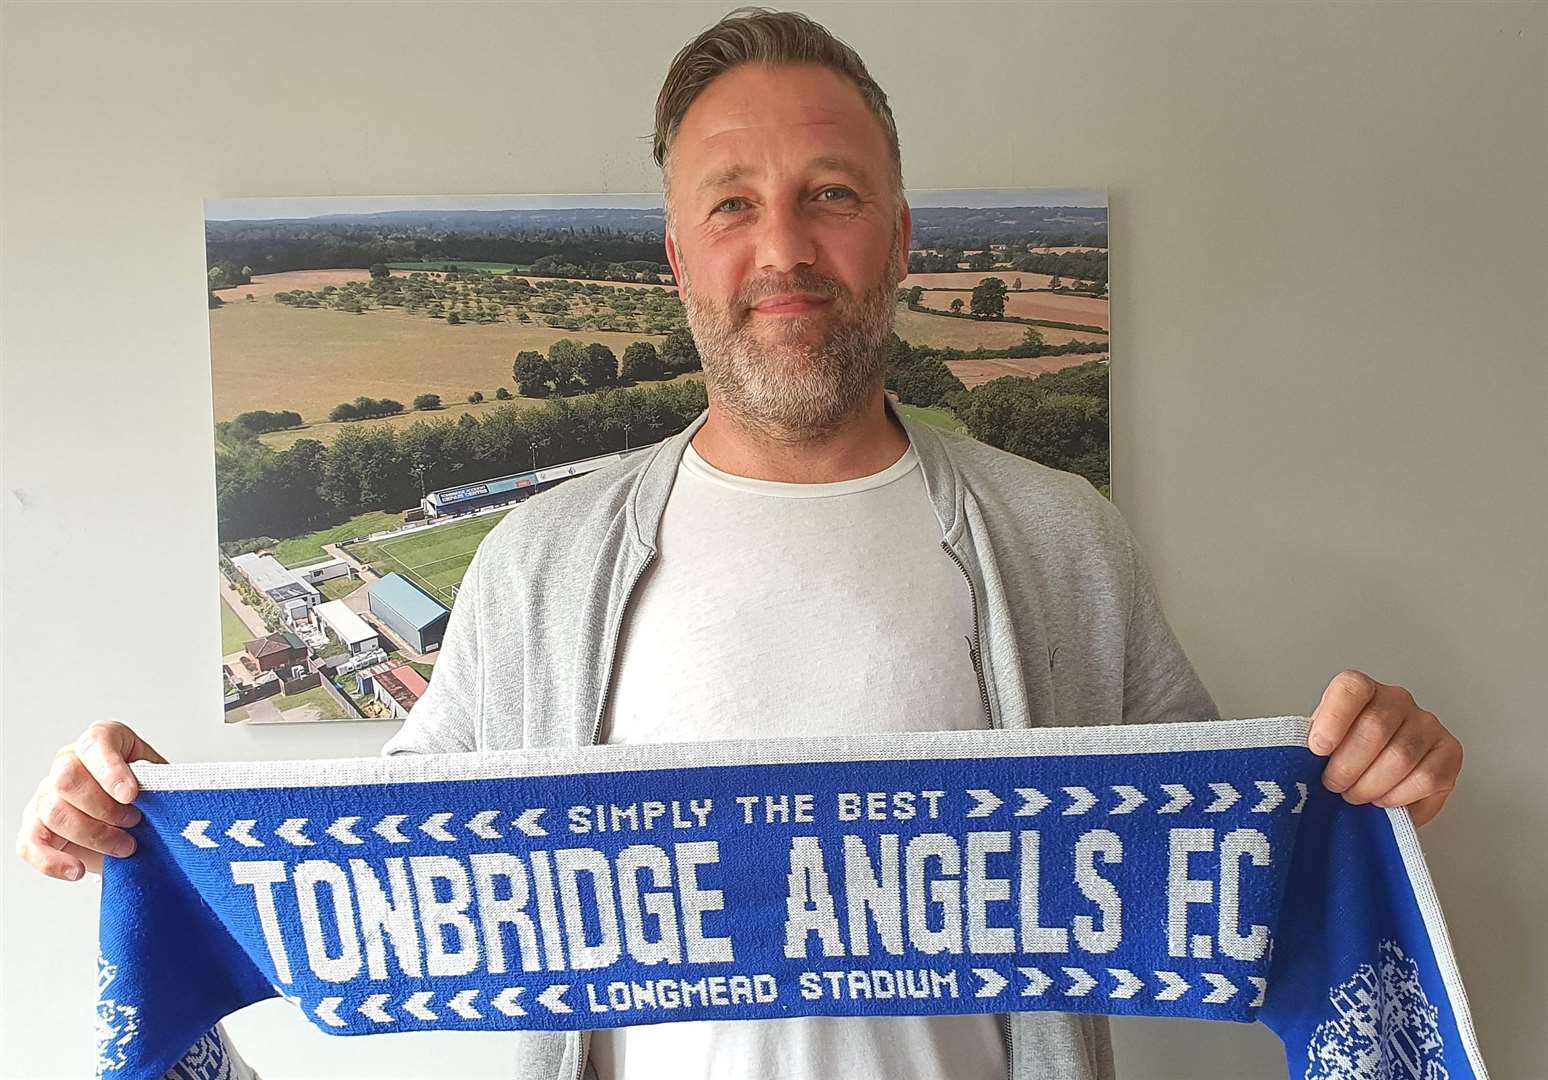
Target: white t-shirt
point(797, 609)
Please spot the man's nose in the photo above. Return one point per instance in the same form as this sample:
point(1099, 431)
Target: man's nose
point(785, 239)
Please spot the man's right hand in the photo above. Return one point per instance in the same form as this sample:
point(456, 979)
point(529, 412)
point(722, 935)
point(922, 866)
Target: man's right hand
point(81, 809)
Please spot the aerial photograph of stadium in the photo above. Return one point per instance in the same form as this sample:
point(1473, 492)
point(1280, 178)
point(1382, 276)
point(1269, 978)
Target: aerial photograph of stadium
point(391, 375)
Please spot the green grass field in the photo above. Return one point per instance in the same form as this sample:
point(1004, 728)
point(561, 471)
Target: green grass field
point(317, 697)
point(233, 631)
point(309, 547)
point(338, 588)
point(935, 417)
point(434, 559)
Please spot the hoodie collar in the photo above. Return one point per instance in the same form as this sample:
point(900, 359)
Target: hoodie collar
point(653, 484)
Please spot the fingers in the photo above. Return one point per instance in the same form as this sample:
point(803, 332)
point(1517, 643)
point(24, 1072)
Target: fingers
point(1425, 809)
point(1366, 738)
point(71, 824)
point(106, 749)
point(51, 854)
point(1417, 735)
point(1342, 702)
point(1435, 774)
point(70, 780)
point(81, 809)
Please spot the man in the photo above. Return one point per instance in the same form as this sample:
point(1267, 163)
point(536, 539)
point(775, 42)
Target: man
point(800, 560)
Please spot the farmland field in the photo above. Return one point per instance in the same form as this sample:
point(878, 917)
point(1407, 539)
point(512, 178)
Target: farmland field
point(433, 559)
point(264, 286)
point(976, 372)
point(325, 431)
point(966, 279)
point(1081, 310)
point(944, 332)
point(266, 355)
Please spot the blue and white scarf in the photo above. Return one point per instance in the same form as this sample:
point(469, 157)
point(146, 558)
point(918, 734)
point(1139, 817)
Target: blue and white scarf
point(1193, 870)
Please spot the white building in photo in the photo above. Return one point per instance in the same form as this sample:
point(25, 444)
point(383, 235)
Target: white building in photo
point(289, 593)
point(315, 573)
point(346, 626)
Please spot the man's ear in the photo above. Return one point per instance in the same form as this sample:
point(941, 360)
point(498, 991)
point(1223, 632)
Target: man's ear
point(673, 260)
point(905, 238)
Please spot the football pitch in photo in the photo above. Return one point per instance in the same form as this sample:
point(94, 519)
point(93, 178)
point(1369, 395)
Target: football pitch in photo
point(434, 559)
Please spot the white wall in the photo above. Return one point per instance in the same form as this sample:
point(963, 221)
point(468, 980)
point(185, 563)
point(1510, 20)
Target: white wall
point(1329, 378)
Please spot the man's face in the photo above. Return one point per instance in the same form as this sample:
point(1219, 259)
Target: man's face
point(787, 244)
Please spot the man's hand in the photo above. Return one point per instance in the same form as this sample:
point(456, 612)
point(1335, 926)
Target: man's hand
point(71, 821)
point(1384, 748)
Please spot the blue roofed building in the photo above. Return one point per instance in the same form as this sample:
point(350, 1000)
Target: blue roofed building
point(414, 617)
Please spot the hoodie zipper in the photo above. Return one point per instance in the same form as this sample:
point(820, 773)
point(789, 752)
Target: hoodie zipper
point(596, 730)
point(974, 646)
point(975, 651)
point(612, 656)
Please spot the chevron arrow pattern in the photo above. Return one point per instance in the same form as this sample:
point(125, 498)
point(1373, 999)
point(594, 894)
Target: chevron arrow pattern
point(434, 827)
point(1224, 989)
point(1175, 986)
point(446, 827)
point(1078, 982)
point(984, 803)
point(505, 1001)
point(442, 826)
point(993, 982)
point(418, 1005)
point(1081, 982)
point(552, 999)
point(422, 1005)
point(242, 833)
point(1037, 982)
point(462, 1004)
point(291, 831)
point(1125, 984)
point(1032, 802)
point(374, 1009)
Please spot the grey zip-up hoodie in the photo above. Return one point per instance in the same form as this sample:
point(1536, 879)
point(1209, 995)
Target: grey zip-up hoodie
point(1069, 632)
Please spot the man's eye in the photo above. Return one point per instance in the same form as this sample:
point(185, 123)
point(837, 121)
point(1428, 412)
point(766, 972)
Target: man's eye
point(722, 206)
point(841, 190)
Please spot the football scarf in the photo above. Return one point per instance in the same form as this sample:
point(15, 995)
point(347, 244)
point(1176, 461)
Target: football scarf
point(1195, 870)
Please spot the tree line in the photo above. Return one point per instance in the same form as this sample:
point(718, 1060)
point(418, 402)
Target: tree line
point(1090, 266)
point(262, 492)
point(326, 248)
point(1059, 419)
point(481, 296)
point(568, 367)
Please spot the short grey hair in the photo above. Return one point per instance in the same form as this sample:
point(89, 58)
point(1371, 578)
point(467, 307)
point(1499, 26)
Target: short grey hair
point(761, 35)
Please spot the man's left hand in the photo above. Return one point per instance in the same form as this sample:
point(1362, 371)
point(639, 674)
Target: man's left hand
point(1382, 747)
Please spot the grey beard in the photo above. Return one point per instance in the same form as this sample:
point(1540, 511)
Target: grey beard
point(796, 391)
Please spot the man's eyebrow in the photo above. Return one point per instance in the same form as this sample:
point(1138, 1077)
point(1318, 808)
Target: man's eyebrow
point(733, 173)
